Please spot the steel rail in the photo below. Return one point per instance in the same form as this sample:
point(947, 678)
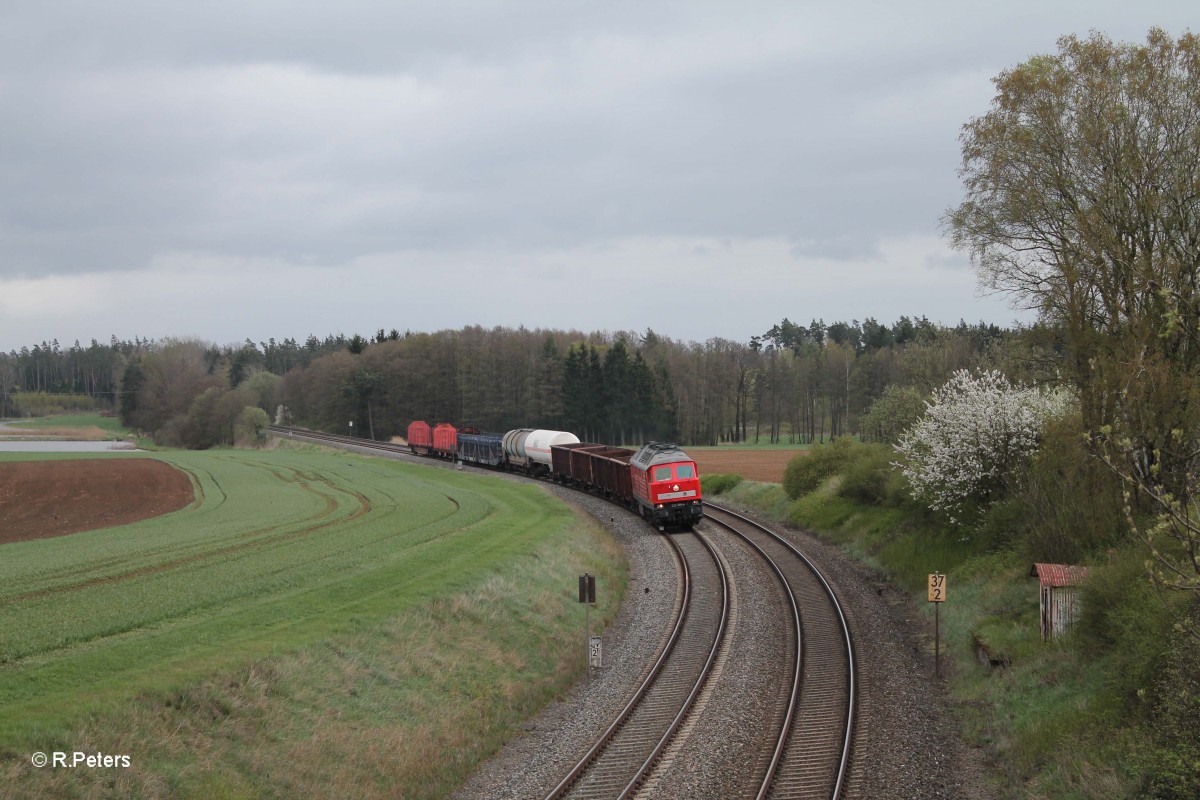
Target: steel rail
point(369, 444)
point(701, 680)
point(847, 642)
point(609, 765)
point(793, 700)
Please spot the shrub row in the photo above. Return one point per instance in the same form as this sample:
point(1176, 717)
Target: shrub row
point(44, 404)
point(865, 470)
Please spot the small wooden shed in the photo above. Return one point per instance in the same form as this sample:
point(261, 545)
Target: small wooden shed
point(1060, 596)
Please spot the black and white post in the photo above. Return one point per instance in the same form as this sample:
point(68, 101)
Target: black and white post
point(587, 596)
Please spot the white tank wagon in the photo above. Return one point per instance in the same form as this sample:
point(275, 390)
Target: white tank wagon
point(529, 448)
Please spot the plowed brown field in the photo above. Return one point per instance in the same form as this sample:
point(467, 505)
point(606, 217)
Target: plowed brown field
point(766, 466)
point(39, 499)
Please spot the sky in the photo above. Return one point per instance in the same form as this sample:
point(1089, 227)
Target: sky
point(233, 170)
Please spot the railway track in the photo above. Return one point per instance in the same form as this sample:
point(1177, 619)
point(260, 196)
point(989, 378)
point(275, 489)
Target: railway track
point(812, 743)
point(303, 435)
point(623, 756)
point(808, 751)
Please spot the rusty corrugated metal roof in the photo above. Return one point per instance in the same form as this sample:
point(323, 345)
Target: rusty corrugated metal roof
point(1059, 574)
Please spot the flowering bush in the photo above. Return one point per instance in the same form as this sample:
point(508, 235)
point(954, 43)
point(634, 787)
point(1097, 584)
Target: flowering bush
point(977, 432)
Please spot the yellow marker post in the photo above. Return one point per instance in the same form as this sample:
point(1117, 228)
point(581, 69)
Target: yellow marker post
point(937, 596)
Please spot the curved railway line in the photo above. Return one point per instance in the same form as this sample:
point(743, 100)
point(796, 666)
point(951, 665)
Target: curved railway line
point(623, 756)
point(806, 747)
point(812, 749)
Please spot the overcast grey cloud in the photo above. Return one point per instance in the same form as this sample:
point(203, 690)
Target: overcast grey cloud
point(232, 170)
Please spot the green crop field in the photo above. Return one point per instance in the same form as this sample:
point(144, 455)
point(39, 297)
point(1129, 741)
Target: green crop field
point(406, 617)
point(80, 420)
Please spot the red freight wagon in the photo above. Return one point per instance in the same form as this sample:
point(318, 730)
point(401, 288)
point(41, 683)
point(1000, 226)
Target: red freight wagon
point(610, 472)
point(420, 438)
point(561, 463)
point(445, 440)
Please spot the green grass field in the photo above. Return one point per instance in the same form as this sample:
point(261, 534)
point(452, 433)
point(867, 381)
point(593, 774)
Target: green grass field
point(404, 617)
point(110, 425)
point(750, 445)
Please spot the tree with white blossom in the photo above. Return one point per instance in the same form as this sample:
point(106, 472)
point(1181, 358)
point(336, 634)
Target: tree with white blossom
point(977, 434)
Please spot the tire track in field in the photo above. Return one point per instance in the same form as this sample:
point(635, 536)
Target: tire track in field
point(201, 497)
point(262, 539)
point(387, 475)
point(337, 481)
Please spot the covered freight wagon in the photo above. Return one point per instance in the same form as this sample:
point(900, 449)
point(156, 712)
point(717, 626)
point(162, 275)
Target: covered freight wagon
point(445, 440)
point(420, 438)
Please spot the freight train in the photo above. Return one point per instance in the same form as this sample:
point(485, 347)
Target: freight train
point(657, 479)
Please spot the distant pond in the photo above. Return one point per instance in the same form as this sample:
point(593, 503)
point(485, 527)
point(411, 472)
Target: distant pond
point(60, 446)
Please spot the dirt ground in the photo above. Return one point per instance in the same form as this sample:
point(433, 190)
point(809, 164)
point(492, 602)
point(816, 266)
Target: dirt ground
point(39, 499)
point(766, 466)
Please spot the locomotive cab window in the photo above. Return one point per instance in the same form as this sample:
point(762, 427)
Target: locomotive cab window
point(684, 471)
point(662, 473)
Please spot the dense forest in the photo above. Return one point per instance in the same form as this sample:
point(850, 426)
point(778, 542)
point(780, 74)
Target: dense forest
point(793, 383)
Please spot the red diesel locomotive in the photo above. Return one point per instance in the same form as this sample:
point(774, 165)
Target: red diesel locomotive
point(667, 484)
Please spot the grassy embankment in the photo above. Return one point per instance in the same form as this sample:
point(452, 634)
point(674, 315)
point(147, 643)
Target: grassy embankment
point(1087, 716)
point(314, 625)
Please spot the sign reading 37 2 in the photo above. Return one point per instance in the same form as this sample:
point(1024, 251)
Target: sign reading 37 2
point(937, 588)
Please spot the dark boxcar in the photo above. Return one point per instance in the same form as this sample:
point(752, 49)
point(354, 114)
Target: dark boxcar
point(481, 448)
point(581, 463)
point(420, 438)
point(561, 463)
point(610, 472)
point(445, 440)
